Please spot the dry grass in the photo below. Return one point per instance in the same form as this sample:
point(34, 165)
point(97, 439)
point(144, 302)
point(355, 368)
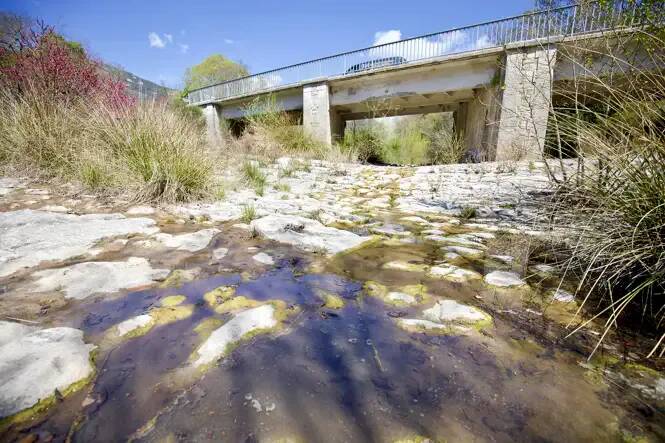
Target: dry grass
point(614, 123)
point(148, 150)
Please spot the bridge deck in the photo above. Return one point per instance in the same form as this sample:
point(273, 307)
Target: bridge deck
point(537, 26)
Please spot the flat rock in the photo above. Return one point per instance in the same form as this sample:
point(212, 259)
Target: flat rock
point(465, 251)
point(192, 242)
point(450, 311)
point(242, 324)
point(35, 362)
point(306, 234)
point(218, 254)
point(504, 279)
point(263, 258)
point(562, 296)
point(141, 210)
point(401, 297)
point(29, 237)
point(133, 323)
point(85, 279)
point(452, 273)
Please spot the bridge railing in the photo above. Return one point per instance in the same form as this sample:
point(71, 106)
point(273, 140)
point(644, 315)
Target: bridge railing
point(546, 24)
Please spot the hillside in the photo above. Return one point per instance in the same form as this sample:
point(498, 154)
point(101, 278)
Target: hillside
point(138, 87)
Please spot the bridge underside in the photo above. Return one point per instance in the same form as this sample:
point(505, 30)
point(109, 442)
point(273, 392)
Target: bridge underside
point(499, 98)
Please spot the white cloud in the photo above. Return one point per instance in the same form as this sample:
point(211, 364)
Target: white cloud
point(383, 37)
point(228, 41)
point(169, 37)
point(155, 40)
point(183, 47)
point(426, 47)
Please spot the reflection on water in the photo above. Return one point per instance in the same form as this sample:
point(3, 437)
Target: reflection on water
point(333, 375)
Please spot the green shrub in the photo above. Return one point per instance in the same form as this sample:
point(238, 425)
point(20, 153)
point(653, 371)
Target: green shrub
point(468, 212)
point(408, 148)
point(365, 142)
point(248, 213)
point(254, 177)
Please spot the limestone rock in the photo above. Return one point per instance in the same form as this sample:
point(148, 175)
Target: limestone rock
point(240, 326)
point(35, 362)
point(504, 279)
point(263, 258)
point(452, 273)
point(28, 237)
point(85, 279)
point(192, 242)
point(306, 234)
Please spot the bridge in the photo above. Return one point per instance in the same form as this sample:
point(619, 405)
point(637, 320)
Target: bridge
point(496, 78)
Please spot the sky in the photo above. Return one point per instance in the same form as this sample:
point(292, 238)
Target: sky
point(158, 40)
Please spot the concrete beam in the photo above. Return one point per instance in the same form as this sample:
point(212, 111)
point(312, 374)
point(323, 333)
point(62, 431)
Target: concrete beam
point(525, 103)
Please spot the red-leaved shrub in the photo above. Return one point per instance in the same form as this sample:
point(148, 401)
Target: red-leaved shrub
point(41, 60)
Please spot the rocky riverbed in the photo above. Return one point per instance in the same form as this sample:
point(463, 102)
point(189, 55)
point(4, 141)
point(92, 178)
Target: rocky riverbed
point(343, 303)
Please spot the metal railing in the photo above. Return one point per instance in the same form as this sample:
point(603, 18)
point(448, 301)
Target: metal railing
point(546, 24)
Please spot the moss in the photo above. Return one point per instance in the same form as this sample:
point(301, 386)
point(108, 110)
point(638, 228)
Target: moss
point(418, 291)
point(375, 289)
point(219, 295)
point(642, 370)
point(207, 327)
point(332, 301)
point(172, 300)
point(176, 278)
point(236, 304)
point(169, 314)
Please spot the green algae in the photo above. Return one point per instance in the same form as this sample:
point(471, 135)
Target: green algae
point(219, 295)
point(47, 403)
point(237, 303)
point(177, 278)
point(172, 300)
point(332, 301)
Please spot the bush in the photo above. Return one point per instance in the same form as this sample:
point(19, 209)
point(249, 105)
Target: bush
point(148, 149)
point(365, 142)
point(616, 203)
point(43, 61)
point(408, 148)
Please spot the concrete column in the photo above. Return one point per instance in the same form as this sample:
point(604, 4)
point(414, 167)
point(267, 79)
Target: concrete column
point(318, 119)
point(213, 129)
point(525, 103)
point(480, 124)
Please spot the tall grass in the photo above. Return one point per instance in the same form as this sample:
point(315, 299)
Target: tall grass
point(148, 149)
point(614, 123)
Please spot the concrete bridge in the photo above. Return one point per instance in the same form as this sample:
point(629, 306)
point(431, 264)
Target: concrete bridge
point(496, 78)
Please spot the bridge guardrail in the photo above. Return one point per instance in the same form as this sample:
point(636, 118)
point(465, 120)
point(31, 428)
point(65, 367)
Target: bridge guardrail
point(545, 24)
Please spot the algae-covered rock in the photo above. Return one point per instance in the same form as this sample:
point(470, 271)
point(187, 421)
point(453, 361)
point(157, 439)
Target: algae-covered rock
point(35, 362)
point(242, 326)
point(330, 300)
point(452, 273)
point(141, 324)
point(375, 289)
point(219, 295)
point(179, 277)
point(237, 303)
point(447, 317)
point(405, 266)
point(173, 300)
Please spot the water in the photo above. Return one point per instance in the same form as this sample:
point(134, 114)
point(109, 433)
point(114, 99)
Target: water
point(341, 375)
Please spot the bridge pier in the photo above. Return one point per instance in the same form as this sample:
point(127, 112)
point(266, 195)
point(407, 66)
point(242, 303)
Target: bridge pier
point(213, 129)
point(525, 105)
point(320, 121)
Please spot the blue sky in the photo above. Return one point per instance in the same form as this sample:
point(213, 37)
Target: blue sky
point(158, 40)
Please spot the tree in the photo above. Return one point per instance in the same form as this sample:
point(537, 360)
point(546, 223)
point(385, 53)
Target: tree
point(214, 69)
